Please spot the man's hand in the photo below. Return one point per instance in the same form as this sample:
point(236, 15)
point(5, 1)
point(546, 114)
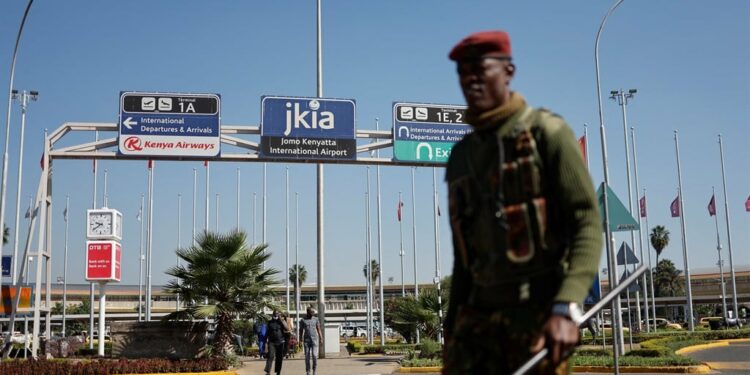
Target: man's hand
point(559, 335)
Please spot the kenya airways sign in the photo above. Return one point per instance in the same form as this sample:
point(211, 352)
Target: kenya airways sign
point(169, 124)
point(307, 128)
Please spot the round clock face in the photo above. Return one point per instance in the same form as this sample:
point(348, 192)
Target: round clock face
point(100, 224)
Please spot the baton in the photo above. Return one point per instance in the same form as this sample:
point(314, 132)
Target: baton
point(538, 357)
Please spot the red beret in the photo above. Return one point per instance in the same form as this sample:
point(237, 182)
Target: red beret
point(480, 44)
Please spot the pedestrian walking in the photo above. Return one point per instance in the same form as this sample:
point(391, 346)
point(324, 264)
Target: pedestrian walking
point(260, 332)
point(526, 227)
point(276, 329)
point(309, 331)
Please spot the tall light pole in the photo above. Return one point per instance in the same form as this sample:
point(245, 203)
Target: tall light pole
point(23, 97)
point(729, 235)
point(140, 262)
point(4, 184)
point(286, 234)
point(179, 244)
point(380, 250)
point(401, 245)
point(414, 236)
point(641, 233)
point(623, 98)
point(618, 343)
point(688, 287)
point(297, 285)
point(149, 237)
point(320, 191)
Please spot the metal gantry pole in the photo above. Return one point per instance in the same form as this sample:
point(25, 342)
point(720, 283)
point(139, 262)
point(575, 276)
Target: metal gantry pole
point(179, 244)
point(368, 263)
point(65, 268)
point(689, 317)
point(149, 237)
point(140, 263)
point(380, 249)
point(208, 202)
point(729, 231)
point(91, 285)
point(622, 99)
point(195, 195)
point(414, 235)
point(618, 343)
point(286, 234)
point(238, 199)
point(718, 251)
point(640, 232)
point(320, 194)
point(401, 245)
point(4, 185)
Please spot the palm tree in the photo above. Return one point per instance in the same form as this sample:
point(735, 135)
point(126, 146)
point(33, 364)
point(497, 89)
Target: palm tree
point(293, 279)
point(374, 271)
point(667, 280)
point(222, 270)
point(659, 240)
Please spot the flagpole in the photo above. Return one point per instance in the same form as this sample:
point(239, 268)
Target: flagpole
point(650, 271)
point(640, 232)
point(436, 210)
point(380, 250)
point(179, 222)
point(712, 205)
point(217, 213)
point(689, 317)
point(65, 267)
point(729, 231)
point(401, 245)
point(104, 193)
point(149, 237)
point(297, 285)
point(255, 207)
point(265, 204)
point(140, 262)
point(286, 234)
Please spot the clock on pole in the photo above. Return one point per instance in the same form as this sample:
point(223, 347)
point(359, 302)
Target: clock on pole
point(104, 224)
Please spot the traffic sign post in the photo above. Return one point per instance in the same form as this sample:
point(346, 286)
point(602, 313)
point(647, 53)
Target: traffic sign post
point(169, 124)
point(307, 128)
point(427, 132)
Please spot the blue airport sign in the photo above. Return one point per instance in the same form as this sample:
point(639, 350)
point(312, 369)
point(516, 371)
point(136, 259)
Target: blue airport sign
point(5, 265)
point(169, 124)
point(427, 132)
point(307, 128)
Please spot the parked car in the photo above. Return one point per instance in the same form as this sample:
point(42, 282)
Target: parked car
point(663, 323)
point(348, 331)
point(607, 328)
point(704, 322)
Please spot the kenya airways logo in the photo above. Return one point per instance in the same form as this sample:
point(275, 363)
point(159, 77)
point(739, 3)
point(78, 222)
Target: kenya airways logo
point(133, 144)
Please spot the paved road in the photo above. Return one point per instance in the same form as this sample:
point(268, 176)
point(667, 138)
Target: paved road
point(732, 359)
point(343, 365)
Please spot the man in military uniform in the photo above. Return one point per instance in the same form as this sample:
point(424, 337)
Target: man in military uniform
point(526, 227)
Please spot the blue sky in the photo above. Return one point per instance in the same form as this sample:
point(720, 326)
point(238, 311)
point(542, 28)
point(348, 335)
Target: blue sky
point(687, 59)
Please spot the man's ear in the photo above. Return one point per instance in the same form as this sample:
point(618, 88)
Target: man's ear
point(510, 70)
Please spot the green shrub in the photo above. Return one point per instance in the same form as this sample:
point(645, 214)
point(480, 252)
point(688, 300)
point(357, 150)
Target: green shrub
point(650, 353)
point(422, 362)
point(594, 352)
point(429, 349)
point(353, 347)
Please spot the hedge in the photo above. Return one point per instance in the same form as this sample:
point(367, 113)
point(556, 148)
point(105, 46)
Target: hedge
point(121, 366)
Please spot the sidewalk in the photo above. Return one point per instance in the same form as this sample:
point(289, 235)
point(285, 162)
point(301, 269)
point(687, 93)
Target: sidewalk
point(339, 365)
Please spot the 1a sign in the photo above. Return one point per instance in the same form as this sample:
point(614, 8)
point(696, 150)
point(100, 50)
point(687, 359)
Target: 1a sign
point(169, 124)
point(427, 132)
point(103, 261)
point(307, 128)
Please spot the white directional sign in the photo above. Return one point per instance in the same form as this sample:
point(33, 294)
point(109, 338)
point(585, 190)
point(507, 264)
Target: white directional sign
point(169, 124)
point(427, 132)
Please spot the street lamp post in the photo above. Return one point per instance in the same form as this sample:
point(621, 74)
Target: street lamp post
point(618, 343)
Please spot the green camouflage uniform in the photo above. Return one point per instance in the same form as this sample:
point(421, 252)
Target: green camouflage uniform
point(517, 249)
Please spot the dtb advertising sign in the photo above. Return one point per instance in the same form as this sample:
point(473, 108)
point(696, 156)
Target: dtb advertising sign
point(103, 261)
point(307, 128)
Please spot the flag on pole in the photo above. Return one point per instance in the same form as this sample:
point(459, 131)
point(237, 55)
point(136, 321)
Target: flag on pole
point(205, 163)
point(582, 145)
point(747, 204)
point(438, 210)
point(65, 214)
point(94, 166)
point(28, 213)
point(150, 164)
point(642, 204)
point(398, 212)
point(675, 207)
point(712, 206)
point(41, 161)
point(138, 216)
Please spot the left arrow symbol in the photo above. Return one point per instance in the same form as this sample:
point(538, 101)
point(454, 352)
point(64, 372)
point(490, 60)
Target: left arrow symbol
point(129, 122)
